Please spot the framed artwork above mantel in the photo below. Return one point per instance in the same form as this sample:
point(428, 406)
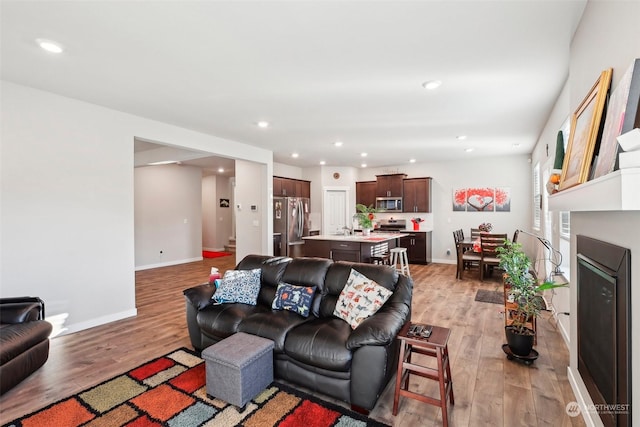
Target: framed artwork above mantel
point(585, 129)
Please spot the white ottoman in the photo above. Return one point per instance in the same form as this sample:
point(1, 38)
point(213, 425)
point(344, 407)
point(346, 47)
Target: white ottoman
point(239, 367)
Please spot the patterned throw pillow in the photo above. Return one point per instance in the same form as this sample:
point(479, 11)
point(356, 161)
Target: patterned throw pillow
point(294, 298)
point(238, 286)
point(360, 298)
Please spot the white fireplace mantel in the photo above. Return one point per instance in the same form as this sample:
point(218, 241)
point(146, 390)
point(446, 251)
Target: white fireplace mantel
point(617, 191)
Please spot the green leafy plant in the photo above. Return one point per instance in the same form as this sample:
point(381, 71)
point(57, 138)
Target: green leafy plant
point(523, 286)
point(365, 215)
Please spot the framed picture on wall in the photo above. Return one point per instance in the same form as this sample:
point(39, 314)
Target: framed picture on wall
point(585, 126)
point(622, 111)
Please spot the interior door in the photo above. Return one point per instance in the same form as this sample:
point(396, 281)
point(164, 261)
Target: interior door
point(335, 211)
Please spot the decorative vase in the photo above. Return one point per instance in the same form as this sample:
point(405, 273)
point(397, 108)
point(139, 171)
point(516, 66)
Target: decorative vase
point(520, 344)
point(366, 231)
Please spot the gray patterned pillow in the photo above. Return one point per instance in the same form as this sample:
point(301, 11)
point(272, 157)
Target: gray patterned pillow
point(238, 286)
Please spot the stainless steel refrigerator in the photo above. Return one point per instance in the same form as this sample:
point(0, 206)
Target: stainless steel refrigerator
point(291, 220)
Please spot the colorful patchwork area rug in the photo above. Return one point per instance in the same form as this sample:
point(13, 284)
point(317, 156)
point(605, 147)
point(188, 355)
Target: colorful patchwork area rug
point(171, 391)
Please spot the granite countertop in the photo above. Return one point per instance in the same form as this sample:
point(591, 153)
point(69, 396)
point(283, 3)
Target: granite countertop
point(372, 238)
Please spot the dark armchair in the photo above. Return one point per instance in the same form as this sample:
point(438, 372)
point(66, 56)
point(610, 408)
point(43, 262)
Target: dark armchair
point(24, 339)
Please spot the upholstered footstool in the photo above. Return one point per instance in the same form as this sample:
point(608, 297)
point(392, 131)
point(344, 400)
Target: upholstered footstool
point(238, 367)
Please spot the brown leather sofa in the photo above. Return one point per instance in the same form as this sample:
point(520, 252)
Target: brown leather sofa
point(24, 339)
point(320, 352)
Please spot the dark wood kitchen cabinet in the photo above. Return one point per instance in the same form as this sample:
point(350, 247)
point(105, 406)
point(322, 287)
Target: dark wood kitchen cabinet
point(417, 195)
point(389, 185)
point(277, 244)
point(366, 193)
point(290, 187)
point(418, 244)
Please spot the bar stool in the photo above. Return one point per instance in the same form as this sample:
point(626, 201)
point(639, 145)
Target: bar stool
point(382, 259)
point(399, 256)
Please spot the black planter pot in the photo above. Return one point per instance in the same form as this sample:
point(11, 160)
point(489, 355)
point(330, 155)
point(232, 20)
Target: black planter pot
point(520, 344)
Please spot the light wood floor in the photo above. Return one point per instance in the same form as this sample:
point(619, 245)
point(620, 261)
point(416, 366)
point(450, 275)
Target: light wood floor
point(489, 389)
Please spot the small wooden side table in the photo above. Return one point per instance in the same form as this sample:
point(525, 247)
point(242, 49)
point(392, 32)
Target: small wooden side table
point(434, 346)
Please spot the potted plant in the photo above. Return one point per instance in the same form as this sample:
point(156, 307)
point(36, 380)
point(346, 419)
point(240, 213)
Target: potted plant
point(365, 217)
point(525, 295)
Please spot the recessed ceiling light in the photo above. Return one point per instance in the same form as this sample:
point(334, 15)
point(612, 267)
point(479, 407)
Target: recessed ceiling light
point(338, 143)
point(364, 165)
point(220, 170)
point(322, 162)
point(461, 137)
point(431, 84)
point(363, 154)
point(468, 150)
point(164, 162)
point(49, 45)
point(412, 160)
point(263, 124)
point(294, 155)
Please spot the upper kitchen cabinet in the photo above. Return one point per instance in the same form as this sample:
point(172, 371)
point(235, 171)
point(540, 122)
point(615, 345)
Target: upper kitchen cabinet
point(417, 195)
point(389, 185)
point(366, 192)
point(289, 187)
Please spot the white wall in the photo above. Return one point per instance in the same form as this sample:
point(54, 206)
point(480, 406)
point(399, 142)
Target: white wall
point(168, 215)
point(607, 36)
point(223, 216)
point(210, 204)
point(67, 201)
point(509, 171)
point(251, 224)
point(544, 153)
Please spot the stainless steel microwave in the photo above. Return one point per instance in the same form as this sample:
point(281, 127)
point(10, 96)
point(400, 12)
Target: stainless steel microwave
point(389, 204)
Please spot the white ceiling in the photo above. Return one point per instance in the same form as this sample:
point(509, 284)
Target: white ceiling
point(318, 71)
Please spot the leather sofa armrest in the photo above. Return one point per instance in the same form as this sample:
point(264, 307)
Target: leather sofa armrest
point(21, 310)
point(383, 327)
point(200, 296)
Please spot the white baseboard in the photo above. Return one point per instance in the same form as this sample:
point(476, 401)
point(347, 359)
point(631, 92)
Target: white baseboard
point(214, 249)
point(168, 263)
point(588, 417)
point(98, 321)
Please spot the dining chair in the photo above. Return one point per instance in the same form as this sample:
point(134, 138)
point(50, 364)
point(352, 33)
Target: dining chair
point(456, 240)
point(489, 243)
point(475, 233)
point(465, 259)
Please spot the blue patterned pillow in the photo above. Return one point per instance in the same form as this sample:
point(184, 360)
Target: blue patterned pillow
point(294, 298)
point(238, 286)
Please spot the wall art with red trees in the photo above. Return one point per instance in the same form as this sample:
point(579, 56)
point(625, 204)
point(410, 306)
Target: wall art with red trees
point(482, 199)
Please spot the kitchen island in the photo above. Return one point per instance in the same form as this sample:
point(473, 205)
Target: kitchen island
point(354, 248)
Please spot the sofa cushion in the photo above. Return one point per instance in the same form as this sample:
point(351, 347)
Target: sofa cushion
point(308, 272)
point(220, 321)
point(321, 343)
point(360, 298)
point(337, 277)
point(239, 286)
point(16, 339)
point(294, 298)
point(272, 270)
point(274, 325)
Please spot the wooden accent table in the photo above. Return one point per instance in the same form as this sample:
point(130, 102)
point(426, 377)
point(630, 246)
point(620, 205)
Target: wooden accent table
point(434, 346)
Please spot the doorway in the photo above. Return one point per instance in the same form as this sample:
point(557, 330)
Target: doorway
point(335, 212)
